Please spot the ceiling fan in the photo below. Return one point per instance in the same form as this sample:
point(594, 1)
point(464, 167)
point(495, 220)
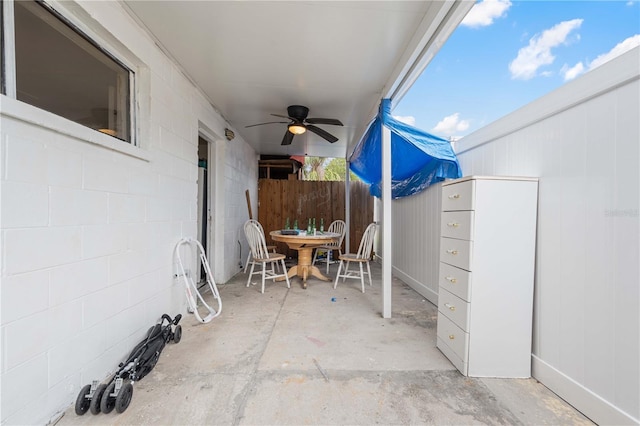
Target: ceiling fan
point(299, 123)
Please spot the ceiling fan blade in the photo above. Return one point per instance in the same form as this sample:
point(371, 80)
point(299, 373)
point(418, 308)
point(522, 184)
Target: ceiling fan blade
point(268, 122)
point(332, 121)
point(282, 116)
point(288, 137)
point(323, 134)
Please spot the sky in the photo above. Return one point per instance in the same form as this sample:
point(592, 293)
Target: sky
point(505, 54)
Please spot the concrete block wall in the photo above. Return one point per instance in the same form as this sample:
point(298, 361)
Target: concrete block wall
point(89, 223)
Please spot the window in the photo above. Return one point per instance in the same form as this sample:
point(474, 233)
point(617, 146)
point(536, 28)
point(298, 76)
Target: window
point(62, 71)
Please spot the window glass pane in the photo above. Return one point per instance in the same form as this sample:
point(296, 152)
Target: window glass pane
point(61, 71)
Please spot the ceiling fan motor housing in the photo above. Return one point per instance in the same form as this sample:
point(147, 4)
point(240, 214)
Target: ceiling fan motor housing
point(298, 112)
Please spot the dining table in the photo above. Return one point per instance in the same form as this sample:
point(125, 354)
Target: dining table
point(304, 243)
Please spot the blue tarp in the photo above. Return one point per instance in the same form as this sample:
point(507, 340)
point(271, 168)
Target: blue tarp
point(418, 159)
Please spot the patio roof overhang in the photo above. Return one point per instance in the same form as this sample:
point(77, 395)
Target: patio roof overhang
point(252, 59)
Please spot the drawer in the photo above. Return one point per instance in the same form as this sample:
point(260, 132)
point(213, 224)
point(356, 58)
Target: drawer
point(458, 196)
point(457, 225)
point(459, 363)
point(454, 308)
point(456, 252)
point(455, 280)
point(453, 337)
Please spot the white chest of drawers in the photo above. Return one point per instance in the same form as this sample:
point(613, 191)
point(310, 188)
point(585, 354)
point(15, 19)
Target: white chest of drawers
point(487, 260)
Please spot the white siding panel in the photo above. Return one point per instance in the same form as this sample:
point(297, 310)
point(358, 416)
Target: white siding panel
point(582, 142)
point(413, 258)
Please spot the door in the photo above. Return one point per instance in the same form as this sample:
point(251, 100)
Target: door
point(204, 216)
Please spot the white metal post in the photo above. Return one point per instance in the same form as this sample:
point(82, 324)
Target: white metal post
point(386, 222)
point(347, 209)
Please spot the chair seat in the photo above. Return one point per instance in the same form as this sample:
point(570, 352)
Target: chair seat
point(272, 257)
point(351, 257)
point(338, 227)
point(362, 257)
point(263, 256)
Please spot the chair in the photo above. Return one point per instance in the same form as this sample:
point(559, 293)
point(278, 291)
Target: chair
point(260, 254)
point(271, 248)
point(363, 256)
point(339, 227)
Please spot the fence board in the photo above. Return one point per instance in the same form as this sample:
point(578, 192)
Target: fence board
point(301, 200)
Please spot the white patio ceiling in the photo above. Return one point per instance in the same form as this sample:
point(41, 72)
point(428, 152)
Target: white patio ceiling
point(338, 58)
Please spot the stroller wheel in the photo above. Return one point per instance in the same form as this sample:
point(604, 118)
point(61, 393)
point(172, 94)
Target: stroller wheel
point(107, 402)
point(82, 403)
point(124, 397)
point(97, 399)
point(177, 334)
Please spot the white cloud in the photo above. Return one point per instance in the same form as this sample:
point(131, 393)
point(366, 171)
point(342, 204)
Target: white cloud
point(538, 52)
point(619, 49)
point(573, 72)
point(622, 47)
point(409, 119)
point(482, 14)
point(451, 124)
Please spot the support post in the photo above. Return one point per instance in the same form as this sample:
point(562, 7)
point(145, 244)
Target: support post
point(347, 209)
point(386, 222)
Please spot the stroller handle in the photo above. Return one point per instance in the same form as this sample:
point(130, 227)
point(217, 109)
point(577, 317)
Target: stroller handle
point(170, 320)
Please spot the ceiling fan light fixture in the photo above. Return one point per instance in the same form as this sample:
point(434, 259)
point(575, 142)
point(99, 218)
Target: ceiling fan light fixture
point(297, 129)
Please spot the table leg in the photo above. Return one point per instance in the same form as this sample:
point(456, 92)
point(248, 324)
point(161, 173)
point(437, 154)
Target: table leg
point(304, 269)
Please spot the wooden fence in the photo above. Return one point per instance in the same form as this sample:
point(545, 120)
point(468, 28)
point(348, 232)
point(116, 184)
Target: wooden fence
point(301, 200)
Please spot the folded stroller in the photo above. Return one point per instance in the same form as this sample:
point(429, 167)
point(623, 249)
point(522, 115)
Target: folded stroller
point(117, 392)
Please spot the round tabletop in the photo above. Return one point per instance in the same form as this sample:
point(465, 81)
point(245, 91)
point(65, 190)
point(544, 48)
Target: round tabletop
point(303, 238)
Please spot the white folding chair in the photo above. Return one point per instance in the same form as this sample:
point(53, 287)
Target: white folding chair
point(262, 256)
point(271, 248)
point(363, 256)
point(339, 227)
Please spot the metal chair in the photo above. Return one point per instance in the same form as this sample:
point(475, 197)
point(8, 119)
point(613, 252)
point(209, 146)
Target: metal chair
point(363, 256)
point(339, 227)
point(261, 255)
point(271, 248)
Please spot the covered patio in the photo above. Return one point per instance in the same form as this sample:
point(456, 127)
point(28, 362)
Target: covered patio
point(323, 356)
point(90, 223)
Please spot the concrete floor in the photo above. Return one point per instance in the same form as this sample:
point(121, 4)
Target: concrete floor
point(323, 356)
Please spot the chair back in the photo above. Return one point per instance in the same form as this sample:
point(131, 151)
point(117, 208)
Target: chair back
point(366, 243)
point(255, 236)
point(339, 227)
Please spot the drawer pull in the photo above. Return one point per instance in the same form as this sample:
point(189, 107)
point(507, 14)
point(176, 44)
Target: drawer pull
point(454, 196)
point(451, 307)
point(452, 280)
point(453, 224)
point(451, 337)
point(452, 251)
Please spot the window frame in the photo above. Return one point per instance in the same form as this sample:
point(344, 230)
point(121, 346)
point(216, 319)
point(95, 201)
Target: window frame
point(8, 69)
